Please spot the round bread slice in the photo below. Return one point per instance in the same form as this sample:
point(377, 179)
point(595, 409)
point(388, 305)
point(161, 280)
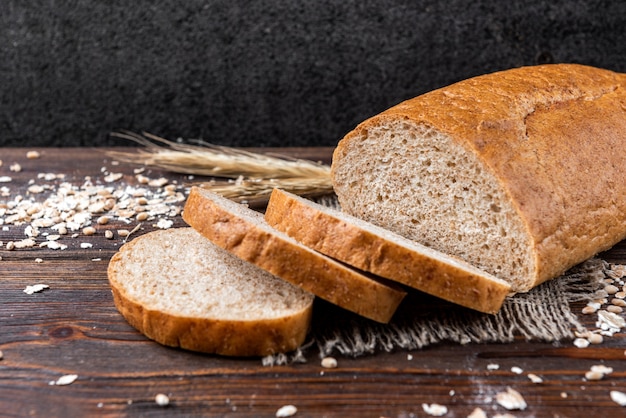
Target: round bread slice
point(384, 253)
point(245, 233)
point(180, 290)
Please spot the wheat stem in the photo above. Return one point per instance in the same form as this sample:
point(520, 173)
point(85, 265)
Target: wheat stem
point(257, 174)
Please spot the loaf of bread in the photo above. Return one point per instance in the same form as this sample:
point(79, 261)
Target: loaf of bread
point(180, 290)
point(244, 232)
point(519, 172)
point(384, 253)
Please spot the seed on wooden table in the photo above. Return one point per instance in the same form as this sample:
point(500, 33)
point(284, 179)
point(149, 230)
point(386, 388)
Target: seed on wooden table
point(589, 310)
point(89, 230)
point(162, 399)
point(618, 302)
point(477, 413)
point(595, 339)
point(103, 220)
point(618, 397)
point(594, 375)
point(142, 216)
point(614, 309)
point(108, 234)
point(10, 245)
point(123, 232)
point(329, 362)
point(31, 155)
point(109, 204)
point(286, 411)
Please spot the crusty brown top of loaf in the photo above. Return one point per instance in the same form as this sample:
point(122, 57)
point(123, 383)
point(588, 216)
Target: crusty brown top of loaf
point(554, 136)
point(384, 253)
point(238, 230)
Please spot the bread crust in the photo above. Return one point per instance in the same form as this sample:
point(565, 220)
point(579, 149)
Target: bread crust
point(552, 135)
point(420, 268)
point(229, 337)
point(280, 255)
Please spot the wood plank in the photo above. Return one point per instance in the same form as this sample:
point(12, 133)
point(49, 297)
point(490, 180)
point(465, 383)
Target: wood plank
point(73, 327)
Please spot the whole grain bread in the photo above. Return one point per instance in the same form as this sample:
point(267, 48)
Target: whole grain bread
point(181, 290)
point(384, 253)
point(519, 172)
point(244, 232)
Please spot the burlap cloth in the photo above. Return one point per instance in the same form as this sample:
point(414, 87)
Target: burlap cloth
point(543, 314)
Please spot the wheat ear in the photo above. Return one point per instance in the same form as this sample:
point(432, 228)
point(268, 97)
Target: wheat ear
point(252, 175)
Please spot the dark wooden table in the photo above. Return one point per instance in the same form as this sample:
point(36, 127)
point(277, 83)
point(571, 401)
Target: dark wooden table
point(74, 328)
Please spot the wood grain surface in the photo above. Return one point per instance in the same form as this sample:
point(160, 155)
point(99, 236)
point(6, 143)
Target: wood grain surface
point(74, 328)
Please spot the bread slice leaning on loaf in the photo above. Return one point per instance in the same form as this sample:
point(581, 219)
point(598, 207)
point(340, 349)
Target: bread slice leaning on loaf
point(181, 290)
point(384, 253)
point(519, 172)
point(244, 232)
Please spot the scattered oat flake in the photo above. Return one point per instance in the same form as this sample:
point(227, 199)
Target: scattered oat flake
point(618, 397)
point(434, 409)
point(86, 245)
point(5, 179)
point(511, 399)
point(534, 378)
point(35, 288)
point(602, 369)
point(15, 167)
point(517, 370)
point(110, 178)
point(286, 411)
point(160, 182)
point(611, 319)
point(38, 260)
point(64, 380)
point(36, 189)
point(493, 366)
point(31, 155)
point(165, 223)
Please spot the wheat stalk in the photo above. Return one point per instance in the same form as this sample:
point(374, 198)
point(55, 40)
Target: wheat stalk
point(253, 175)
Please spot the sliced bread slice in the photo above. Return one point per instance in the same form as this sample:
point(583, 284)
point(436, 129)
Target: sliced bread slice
point(180, 290)
point(384, 253)
point(245, 233)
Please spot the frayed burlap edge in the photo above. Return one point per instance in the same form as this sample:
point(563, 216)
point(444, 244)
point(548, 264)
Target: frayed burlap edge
point(543, 314)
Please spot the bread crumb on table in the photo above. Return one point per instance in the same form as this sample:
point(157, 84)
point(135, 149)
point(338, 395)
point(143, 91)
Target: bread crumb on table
point(511, 399)
point(286, 411)
point(64, 380)
point(30, 289)
point(434, 409)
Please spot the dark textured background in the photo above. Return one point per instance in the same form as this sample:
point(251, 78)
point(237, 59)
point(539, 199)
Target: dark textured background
point(268, 73)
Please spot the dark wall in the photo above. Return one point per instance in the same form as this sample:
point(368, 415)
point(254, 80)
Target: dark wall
point(273, 73)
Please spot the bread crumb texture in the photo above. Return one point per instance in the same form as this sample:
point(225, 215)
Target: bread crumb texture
point(189, 279)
